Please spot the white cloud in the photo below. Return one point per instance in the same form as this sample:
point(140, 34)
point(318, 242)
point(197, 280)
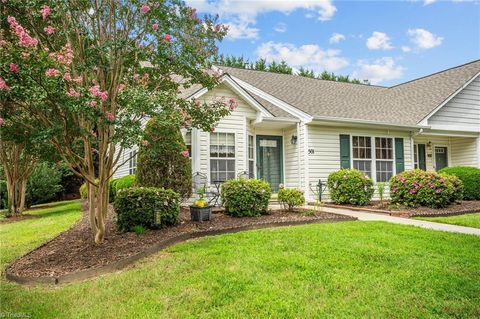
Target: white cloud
point(310, 56)
point(406, 49)
point(336, 37)
point(379, 41)
point(241, 15)
point(427, 2)
point(424, 39)
point(381, 70)
point(280, 27)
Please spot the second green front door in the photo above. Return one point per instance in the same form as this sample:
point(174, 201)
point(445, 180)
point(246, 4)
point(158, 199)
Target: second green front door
point(270, 160)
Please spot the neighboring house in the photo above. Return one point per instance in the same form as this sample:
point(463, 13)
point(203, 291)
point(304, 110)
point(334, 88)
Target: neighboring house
point(295, 130)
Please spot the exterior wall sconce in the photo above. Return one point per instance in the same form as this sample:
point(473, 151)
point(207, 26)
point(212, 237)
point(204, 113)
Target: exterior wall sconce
point(429, 144)
point(294, 139)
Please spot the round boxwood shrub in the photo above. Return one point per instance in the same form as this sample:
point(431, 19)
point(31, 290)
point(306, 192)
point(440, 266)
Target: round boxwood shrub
point(163, 160)
point(425, 188)
point(245, 197)
point(470, 177)
point(350, 186)
point(148, 207)
point(291, 198)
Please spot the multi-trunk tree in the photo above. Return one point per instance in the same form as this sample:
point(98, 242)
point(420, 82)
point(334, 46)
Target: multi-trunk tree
point(89, 72)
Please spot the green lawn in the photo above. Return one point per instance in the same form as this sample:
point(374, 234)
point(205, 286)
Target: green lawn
point(341, 270)
point(469, 220)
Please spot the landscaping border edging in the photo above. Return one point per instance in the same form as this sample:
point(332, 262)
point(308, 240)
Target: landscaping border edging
point(92, 273)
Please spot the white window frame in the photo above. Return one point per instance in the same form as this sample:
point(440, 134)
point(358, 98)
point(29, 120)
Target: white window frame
point(373, 158)
point(253, 159)
point(416, 158)
point(209, 168)
point(392, 160)
point(132, 162)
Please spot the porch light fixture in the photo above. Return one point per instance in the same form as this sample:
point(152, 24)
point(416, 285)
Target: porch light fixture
point(293, 141)
point(429, 144)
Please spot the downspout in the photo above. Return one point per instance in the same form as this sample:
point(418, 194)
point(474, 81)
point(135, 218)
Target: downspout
point(299, 170)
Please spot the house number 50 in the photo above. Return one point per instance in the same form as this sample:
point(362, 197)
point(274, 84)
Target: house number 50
point(311, 151)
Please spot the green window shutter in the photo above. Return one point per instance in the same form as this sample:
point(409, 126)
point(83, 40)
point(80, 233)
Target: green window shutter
point(399, 156)
point(422, 163)
point(344, 151)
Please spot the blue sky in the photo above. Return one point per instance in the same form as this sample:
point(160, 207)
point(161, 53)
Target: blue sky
point(387, 42)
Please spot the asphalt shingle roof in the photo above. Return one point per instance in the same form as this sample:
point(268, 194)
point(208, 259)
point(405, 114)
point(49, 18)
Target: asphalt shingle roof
point(404, 104)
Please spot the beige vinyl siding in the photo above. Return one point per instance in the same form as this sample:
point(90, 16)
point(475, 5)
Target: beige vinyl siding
point(123, 170)
point(291, 160)
point(236, 123)
point(464, 152)
point(325, 142)
point(462, 110)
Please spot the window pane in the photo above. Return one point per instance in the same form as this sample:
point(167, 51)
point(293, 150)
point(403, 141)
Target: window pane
point(251, 167)
point(222, 146)
point(384, 170)
point(364, 166)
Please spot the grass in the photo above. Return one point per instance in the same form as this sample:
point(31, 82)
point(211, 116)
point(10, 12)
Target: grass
point(469, 220)
point(342, 270)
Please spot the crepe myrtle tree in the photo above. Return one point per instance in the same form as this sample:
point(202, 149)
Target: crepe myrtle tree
point(89, 73)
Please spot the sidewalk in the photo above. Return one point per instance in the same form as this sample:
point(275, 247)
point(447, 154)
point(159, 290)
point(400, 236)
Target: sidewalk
point(403, 221)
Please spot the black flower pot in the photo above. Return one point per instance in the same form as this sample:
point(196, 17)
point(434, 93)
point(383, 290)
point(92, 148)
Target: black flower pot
point(200, 214)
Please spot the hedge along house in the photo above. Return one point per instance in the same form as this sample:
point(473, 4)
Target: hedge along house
point(295, 130)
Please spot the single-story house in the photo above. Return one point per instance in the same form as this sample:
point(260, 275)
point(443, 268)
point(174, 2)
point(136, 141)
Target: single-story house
point(295, 131)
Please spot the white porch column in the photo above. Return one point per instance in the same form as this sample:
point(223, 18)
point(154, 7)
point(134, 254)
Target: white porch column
point(195, 150)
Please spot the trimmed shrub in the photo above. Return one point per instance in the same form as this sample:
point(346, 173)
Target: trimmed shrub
point(84, 190)
point(163, 157)
point(291, 198)
point(245, 197)
point(120, 183)
point(148, 207)
point(470, 177)
point(43, 184)
point(350, 186)
point(425, 188)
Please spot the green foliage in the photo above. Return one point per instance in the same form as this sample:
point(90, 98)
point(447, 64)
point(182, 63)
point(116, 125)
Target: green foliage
point(120, 183)
point(148, 207)
point(84, 190)
point(245, 197)
point(425, 188)
point(381, 192)
point(350, 186)
point(139, 230)
point(291, 198)
point(163, 162)
point(69, 181)
point(3, 194)
point(470, 177)
point(43, 184)
point(281, 67)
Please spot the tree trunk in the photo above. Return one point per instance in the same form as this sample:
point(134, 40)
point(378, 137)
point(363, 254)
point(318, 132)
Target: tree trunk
point(101, 211)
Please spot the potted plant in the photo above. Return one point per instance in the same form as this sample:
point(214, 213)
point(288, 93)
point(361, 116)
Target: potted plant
point(200, 210)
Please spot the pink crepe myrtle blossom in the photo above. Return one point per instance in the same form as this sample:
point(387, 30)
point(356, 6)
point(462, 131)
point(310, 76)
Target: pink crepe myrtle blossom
point(2, 121)
point(145, 8)
point(121, 87)
point(77, 80)
point(167, 38)
point(14, 68)
point(155, 26)
point(109, 116)
point(73, 93)
point(45, 12)
point(49, 30)
point(25, 40)
point(52, 72)
point(64, 56)
point(438, 190)
point(103, 96)
point(145, 143)
point(92, 103)
point(3, 85)
point(185, 153)
point(67, 77)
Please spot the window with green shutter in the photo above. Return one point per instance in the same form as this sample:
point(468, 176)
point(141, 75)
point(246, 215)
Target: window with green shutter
point(344, 151)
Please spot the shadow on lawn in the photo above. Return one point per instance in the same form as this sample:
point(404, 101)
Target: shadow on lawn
point(40, 211)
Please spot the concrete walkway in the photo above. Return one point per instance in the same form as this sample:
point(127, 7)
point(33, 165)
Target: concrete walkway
point(403, 221)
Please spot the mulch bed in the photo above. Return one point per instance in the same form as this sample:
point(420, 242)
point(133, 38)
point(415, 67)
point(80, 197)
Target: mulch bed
point(74, 251)
point(462, 207)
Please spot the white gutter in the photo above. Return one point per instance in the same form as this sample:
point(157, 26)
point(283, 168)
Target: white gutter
point(366, 122)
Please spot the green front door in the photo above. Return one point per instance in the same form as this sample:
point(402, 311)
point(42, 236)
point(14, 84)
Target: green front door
point(269, 160)
point(441, 157)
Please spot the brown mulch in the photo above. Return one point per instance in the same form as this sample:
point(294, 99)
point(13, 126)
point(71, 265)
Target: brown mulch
point(462, 207)
point(73, 250)
point(13, 219)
